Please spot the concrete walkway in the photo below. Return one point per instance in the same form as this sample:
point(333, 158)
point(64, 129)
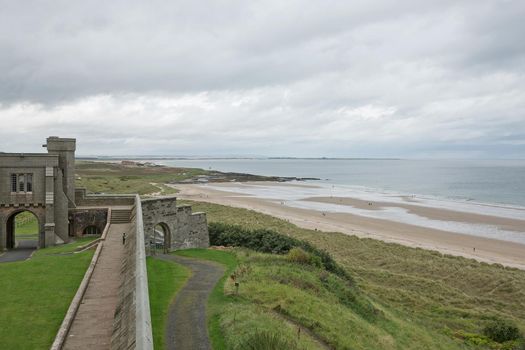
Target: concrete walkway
point(93, 323)
point(186, 328)
point(22, 252)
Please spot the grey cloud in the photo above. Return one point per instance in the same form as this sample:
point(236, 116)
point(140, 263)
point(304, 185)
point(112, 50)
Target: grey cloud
point(271, 77)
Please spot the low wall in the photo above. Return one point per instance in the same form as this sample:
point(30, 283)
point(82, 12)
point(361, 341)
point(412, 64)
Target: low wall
point(132, 324)
point(82, 199)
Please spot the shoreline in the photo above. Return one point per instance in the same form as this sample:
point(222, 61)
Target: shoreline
point(475, 247)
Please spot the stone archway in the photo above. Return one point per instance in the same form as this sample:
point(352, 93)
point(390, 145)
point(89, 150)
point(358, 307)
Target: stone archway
point(161, 237)
point(23, 230)
point(91, 230)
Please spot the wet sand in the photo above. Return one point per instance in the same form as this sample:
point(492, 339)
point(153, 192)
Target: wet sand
point(431, 213)
point(479, 248)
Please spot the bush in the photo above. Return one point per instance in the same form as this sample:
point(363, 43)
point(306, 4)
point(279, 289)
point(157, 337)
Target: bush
point(263, 340)
point(501, 331)
point(269, 241)
point(299, 256)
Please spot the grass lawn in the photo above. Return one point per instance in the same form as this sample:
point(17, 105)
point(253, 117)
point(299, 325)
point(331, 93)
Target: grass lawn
point(165, 278)
point(438, 296)
point(35, 295)
point(64, 248)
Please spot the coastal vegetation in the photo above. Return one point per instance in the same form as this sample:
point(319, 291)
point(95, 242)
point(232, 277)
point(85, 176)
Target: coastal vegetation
point(147, 178)
point(423, 294)
point(101, 177)
point(274, 299)
point(30, 317)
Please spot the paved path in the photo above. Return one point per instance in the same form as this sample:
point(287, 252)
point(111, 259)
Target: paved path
point(93, 323)
point(186, 328)
point(24, 250)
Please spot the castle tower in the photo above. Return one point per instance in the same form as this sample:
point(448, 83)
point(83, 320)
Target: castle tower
point(65, 149)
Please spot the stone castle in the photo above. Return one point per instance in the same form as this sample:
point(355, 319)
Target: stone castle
point(44, 184)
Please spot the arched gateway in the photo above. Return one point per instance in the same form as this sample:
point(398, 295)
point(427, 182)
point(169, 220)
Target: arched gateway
point(25, 231)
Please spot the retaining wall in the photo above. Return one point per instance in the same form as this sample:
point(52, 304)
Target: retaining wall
point(132, 324)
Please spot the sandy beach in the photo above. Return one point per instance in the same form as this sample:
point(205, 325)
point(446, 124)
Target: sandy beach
point(480, 248)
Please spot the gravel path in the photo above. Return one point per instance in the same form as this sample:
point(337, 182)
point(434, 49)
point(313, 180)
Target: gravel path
point(186, 328)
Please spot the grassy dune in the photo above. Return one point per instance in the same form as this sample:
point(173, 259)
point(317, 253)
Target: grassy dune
point(35, 295)
point(115, 178)
point(424, 295)
point(278, 296)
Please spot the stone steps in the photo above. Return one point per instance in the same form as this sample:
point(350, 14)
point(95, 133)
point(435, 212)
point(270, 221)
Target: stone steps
point(120, 216)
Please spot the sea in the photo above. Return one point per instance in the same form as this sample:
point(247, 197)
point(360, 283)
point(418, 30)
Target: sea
point(487, 187)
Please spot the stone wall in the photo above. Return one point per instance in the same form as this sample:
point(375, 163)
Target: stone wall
point(132, 323)
point(191, 230)
point(81, 218)
point(185, 229)
point(82, 199)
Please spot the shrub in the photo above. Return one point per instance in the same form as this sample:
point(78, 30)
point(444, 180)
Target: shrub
point(264, 340)
point(501, 331)
point(269, 241)
point(298, 256)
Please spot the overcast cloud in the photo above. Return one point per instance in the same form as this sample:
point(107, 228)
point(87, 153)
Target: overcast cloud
point(376, 78)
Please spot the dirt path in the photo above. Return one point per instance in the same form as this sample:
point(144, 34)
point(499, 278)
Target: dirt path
point(186, 328)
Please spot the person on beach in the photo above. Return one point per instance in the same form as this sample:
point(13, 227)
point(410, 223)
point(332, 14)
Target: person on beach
point(124, 238)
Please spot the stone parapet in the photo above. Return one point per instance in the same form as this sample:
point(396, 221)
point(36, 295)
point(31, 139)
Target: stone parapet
point(132, 324)
point(82, 199)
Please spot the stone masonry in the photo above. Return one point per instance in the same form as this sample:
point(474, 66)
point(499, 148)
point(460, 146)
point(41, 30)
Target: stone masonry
point(39, 183)
point(183, 228)
point(44, 184)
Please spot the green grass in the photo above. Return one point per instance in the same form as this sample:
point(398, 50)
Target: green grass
point(64, 248)
point(35, 295)
point(165, 278)
point(438, 296)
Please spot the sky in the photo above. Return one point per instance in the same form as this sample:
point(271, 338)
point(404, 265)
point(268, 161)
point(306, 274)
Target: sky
point(374, 78)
